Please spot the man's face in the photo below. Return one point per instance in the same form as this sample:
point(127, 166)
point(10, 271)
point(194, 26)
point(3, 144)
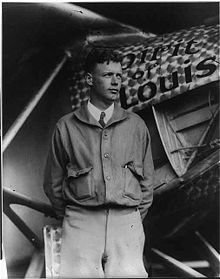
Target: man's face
point(106, 82)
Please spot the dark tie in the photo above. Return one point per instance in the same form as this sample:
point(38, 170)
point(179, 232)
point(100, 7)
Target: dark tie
point(101, 120)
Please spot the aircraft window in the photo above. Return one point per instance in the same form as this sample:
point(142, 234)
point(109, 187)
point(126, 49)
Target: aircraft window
point(158, 153)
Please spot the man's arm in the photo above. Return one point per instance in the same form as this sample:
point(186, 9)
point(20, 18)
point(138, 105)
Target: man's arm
point(148, 172)
point(55, 173)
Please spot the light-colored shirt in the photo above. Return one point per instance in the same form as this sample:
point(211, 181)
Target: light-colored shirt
point(95, 112)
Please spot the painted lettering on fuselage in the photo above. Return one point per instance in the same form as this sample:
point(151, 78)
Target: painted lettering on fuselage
point(174, 64)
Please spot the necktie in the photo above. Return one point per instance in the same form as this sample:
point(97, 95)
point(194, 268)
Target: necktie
point(101, 120)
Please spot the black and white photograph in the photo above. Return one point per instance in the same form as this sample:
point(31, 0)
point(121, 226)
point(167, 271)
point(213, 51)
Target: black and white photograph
point(110, 139)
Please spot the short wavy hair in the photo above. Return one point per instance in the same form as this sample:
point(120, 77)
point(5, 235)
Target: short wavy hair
point(101, 55)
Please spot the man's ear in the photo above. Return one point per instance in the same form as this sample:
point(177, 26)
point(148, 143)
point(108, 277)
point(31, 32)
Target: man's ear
point(88, 78)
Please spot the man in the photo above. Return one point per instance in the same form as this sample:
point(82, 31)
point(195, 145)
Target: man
point(99, 179)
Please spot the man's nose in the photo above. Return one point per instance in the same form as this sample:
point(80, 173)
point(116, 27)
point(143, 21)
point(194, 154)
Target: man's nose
point(114, 80)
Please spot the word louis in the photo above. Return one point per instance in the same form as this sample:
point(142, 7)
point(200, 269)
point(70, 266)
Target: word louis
point(149, 89)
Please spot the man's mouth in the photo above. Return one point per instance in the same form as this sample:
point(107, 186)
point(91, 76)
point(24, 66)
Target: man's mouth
point(114, 91)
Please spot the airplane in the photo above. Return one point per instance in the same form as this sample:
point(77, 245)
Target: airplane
point(171, 80)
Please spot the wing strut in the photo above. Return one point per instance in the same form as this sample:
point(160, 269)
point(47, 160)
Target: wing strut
point(13, 130)
point(207, 250)
point(176, 265)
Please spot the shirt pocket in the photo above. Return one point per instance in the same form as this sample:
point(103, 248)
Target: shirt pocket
point(132, 174)
point(80, 183)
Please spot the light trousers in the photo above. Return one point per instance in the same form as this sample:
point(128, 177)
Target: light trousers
point(102, 243)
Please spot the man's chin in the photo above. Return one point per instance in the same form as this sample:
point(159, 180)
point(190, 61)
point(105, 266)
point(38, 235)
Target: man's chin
point(115, 97)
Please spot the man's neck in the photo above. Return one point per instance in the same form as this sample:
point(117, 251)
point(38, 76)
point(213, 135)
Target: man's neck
point(100, 105)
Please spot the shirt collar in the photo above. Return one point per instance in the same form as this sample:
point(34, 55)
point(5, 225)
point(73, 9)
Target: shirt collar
point(95, 112)
point(85, 116)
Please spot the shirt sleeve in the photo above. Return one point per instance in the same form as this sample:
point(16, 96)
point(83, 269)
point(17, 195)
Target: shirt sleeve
point(148, 177)
point(54, 174)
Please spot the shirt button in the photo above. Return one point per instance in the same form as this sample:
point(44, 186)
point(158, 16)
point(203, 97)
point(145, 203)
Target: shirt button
point(106, 155)
point(108, 177)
